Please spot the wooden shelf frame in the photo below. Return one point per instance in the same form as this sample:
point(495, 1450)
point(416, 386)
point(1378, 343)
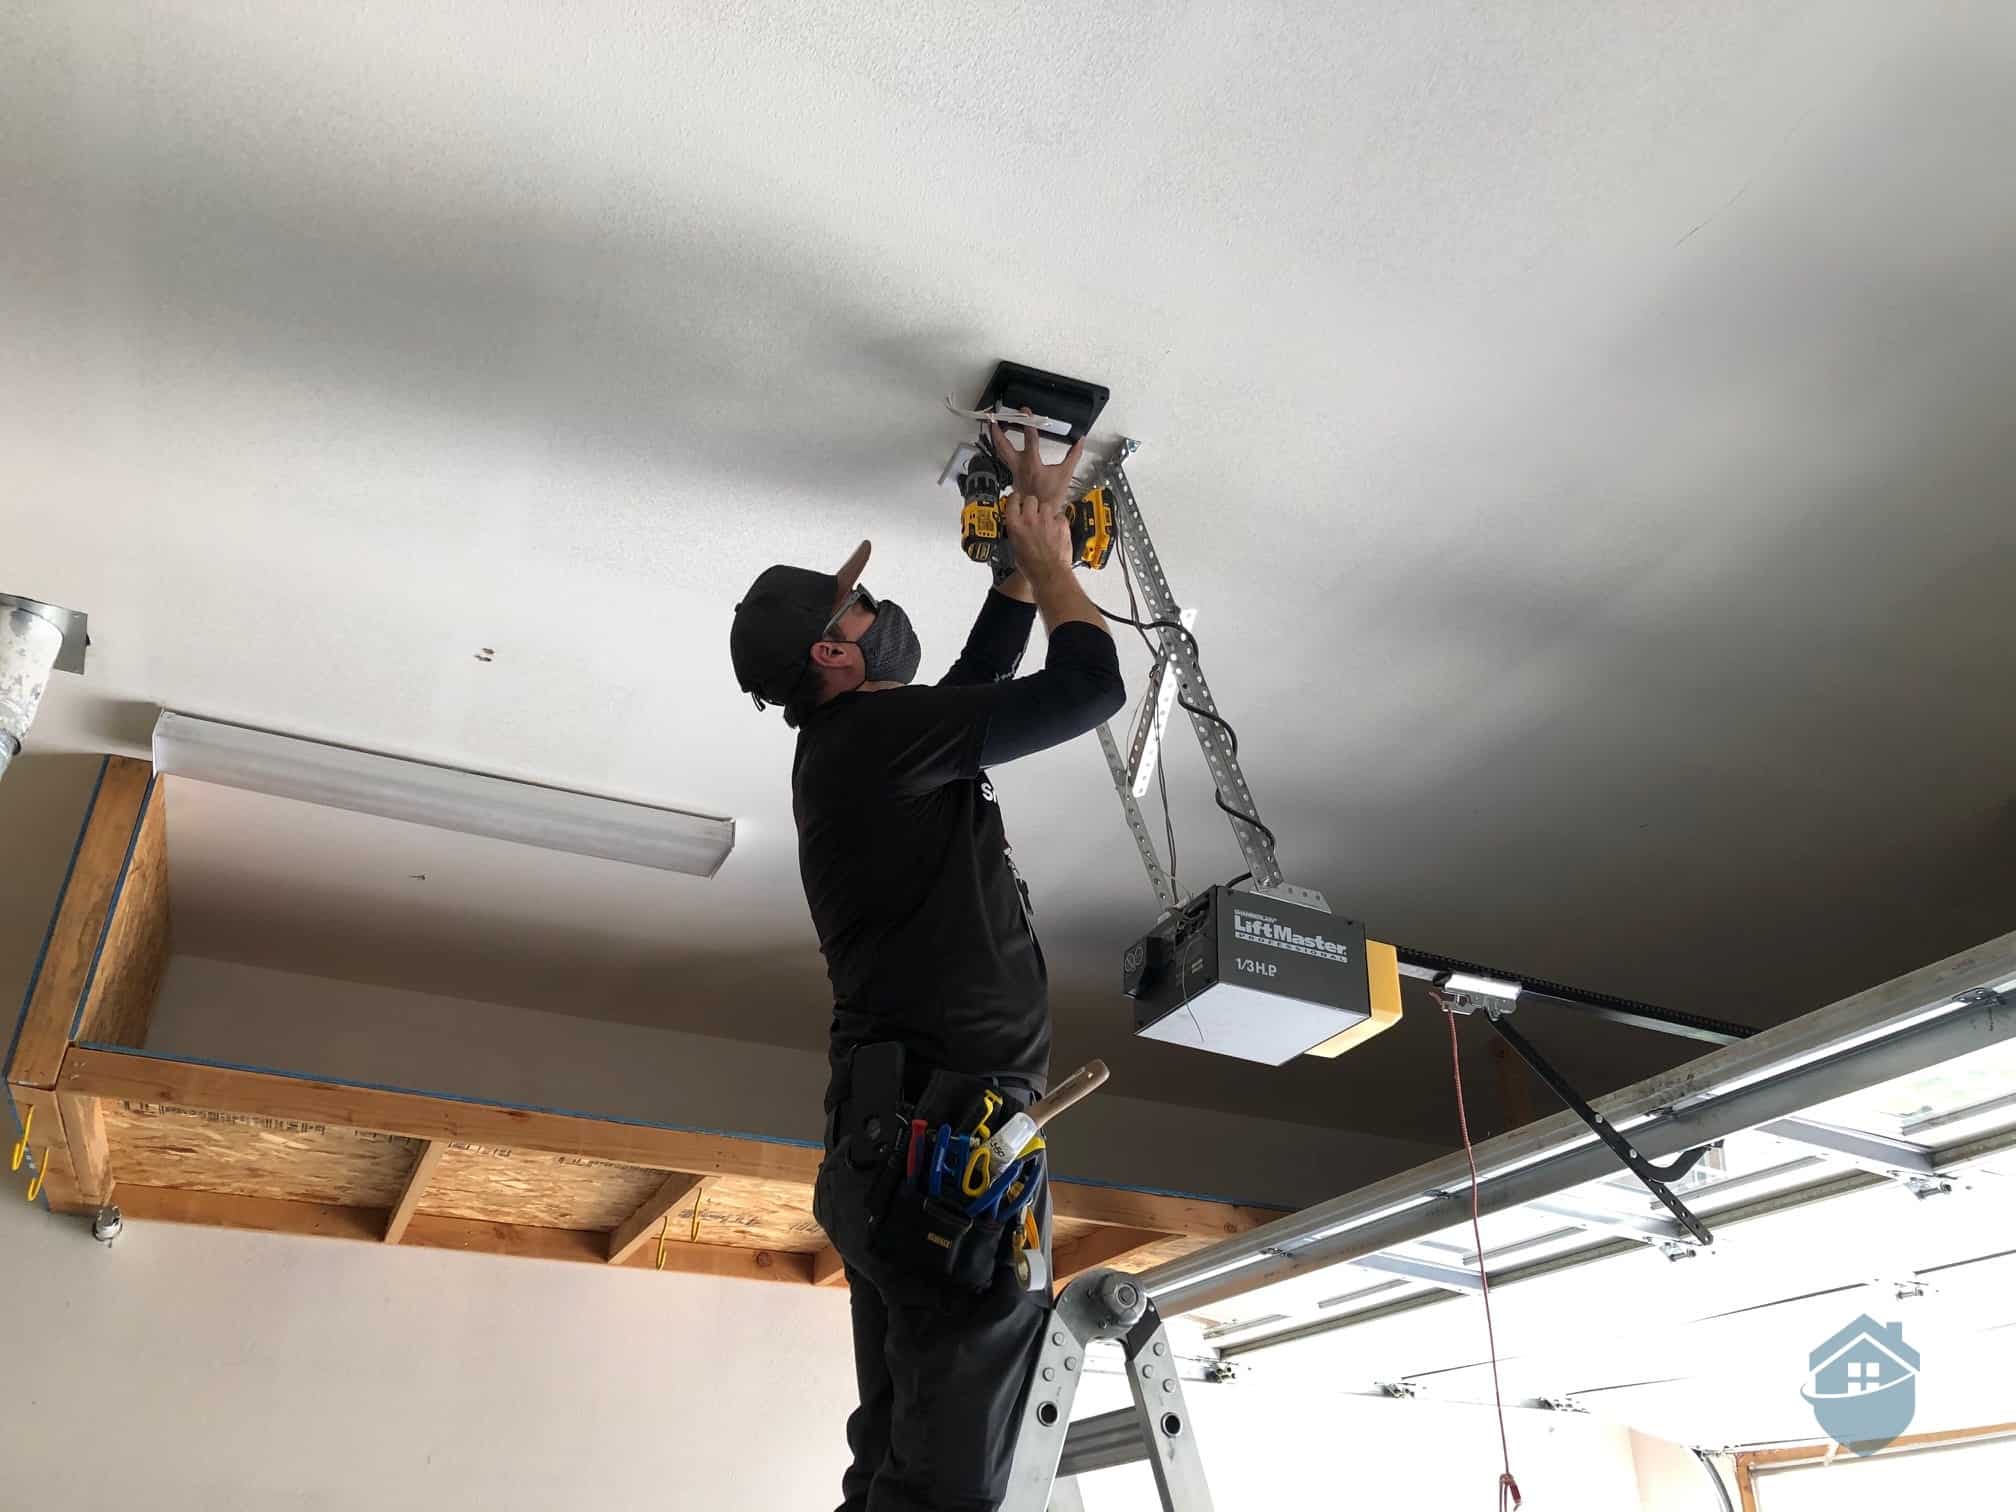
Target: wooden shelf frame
point(192, 1142)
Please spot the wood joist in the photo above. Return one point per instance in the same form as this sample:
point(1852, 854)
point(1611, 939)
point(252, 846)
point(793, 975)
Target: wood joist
point(185, 1142)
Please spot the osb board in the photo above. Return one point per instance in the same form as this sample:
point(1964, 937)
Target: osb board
point(1064, 1230)
point(527, 1187)
point(751, 1213)
point(777, 1215)
point(415, 1115)
point(127, 976)
point(535, 1189)
point(1172, 1248)
point(1125, 1208)
point(159, 1145)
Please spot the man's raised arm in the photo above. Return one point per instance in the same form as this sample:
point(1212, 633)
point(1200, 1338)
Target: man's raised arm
point(1080, 684)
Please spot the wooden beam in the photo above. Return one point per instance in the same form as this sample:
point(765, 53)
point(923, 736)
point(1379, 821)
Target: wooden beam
point(266, 1215)
point(828, 1269)
point(147, 1079)
point(1102, 1246)
point(126, 976)
point(82, 912)
point(633, 1232)
point(1515, 1087)
point(170, 1084)
point(321, 1220)
point(1194, 1217)
point(1746, 1486)
point(90, 1153)
point(48, 1149)
point(591, 1246)
point(416, 1187)
point(1823, 1449)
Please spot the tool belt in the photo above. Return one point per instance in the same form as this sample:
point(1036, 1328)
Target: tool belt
point(933, 1204)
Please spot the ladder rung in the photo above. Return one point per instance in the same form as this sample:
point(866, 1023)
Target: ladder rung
point(1099, 1443)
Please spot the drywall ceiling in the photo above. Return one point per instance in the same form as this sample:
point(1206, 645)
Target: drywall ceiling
point(1584, 431)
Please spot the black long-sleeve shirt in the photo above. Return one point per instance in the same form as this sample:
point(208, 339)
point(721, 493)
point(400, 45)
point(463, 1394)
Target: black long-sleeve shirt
point(924, 921)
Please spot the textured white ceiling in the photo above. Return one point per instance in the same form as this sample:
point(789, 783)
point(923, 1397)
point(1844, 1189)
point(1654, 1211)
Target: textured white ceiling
point(1585, 431)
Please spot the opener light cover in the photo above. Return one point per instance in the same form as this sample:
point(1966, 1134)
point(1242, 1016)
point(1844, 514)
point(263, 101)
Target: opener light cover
point(1463, 981)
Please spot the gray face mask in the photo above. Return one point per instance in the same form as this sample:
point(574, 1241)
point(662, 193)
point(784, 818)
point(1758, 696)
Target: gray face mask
point(889, 648)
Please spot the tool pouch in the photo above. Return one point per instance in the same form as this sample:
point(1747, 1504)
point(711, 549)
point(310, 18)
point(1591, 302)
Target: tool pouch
point(933, 1236)
point(952, 1097)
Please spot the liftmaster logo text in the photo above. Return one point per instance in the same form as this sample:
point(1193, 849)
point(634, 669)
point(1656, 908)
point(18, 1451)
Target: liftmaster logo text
point(1258, 929)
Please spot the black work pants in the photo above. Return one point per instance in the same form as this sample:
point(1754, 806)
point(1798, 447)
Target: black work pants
point(940, 1372)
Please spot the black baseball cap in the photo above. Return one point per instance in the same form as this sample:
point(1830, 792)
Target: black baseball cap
point(782, 616)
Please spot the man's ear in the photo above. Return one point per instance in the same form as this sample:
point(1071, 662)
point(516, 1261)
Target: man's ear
point(830, 654)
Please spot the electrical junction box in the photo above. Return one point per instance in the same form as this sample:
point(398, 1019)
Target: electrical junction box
point(1051, 395)
point(1250, 976)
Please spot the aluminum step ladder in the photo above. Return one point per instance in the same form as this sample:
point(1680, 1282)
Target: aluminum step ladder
point(1050, 1449)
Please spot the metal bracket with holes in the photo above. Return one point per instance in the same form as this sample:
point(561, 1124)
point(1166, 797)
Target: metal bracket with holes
point(1178, 660)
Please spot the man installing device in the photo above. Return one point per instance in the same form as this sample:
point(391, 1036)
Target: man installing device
point(941, 1019)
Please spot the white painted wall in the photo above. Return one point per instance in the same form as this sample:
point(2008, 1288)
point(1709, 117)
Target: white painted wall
point(198, 1370)
point(286, 1021)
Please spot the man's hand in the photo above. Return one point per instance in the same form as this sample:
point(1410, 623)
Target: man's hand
point(1033, 515)
point(1041, 537)
point(1033, 519)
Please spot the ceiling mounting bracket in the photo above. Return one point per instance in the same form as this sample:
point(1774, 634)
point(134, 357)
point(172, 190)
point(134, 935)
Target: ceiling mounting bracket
point(1179, 654)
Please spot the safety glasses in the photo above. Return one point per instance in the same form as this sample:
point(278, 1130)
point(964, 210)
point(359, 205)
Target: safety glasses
point(859, 596)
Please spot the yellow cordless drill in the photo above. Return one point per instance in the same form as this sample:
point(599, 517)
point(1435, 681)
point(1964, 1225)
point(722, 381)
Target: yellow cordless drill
point(1072, 401)
point(982, 538)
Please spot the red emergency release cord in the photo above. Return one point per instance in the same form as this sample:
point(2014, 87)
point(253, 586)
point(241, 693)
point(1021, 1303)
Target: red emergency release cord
point(1508, 1488)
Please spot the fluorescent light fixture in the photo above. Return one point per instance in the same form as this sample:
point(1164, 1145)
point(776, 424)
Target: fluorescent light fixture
point(471, 803)
point(1463, 981)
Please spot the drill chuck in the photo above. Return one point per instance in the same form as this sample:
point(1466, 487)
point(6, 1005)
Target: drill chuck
point(982, 538)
